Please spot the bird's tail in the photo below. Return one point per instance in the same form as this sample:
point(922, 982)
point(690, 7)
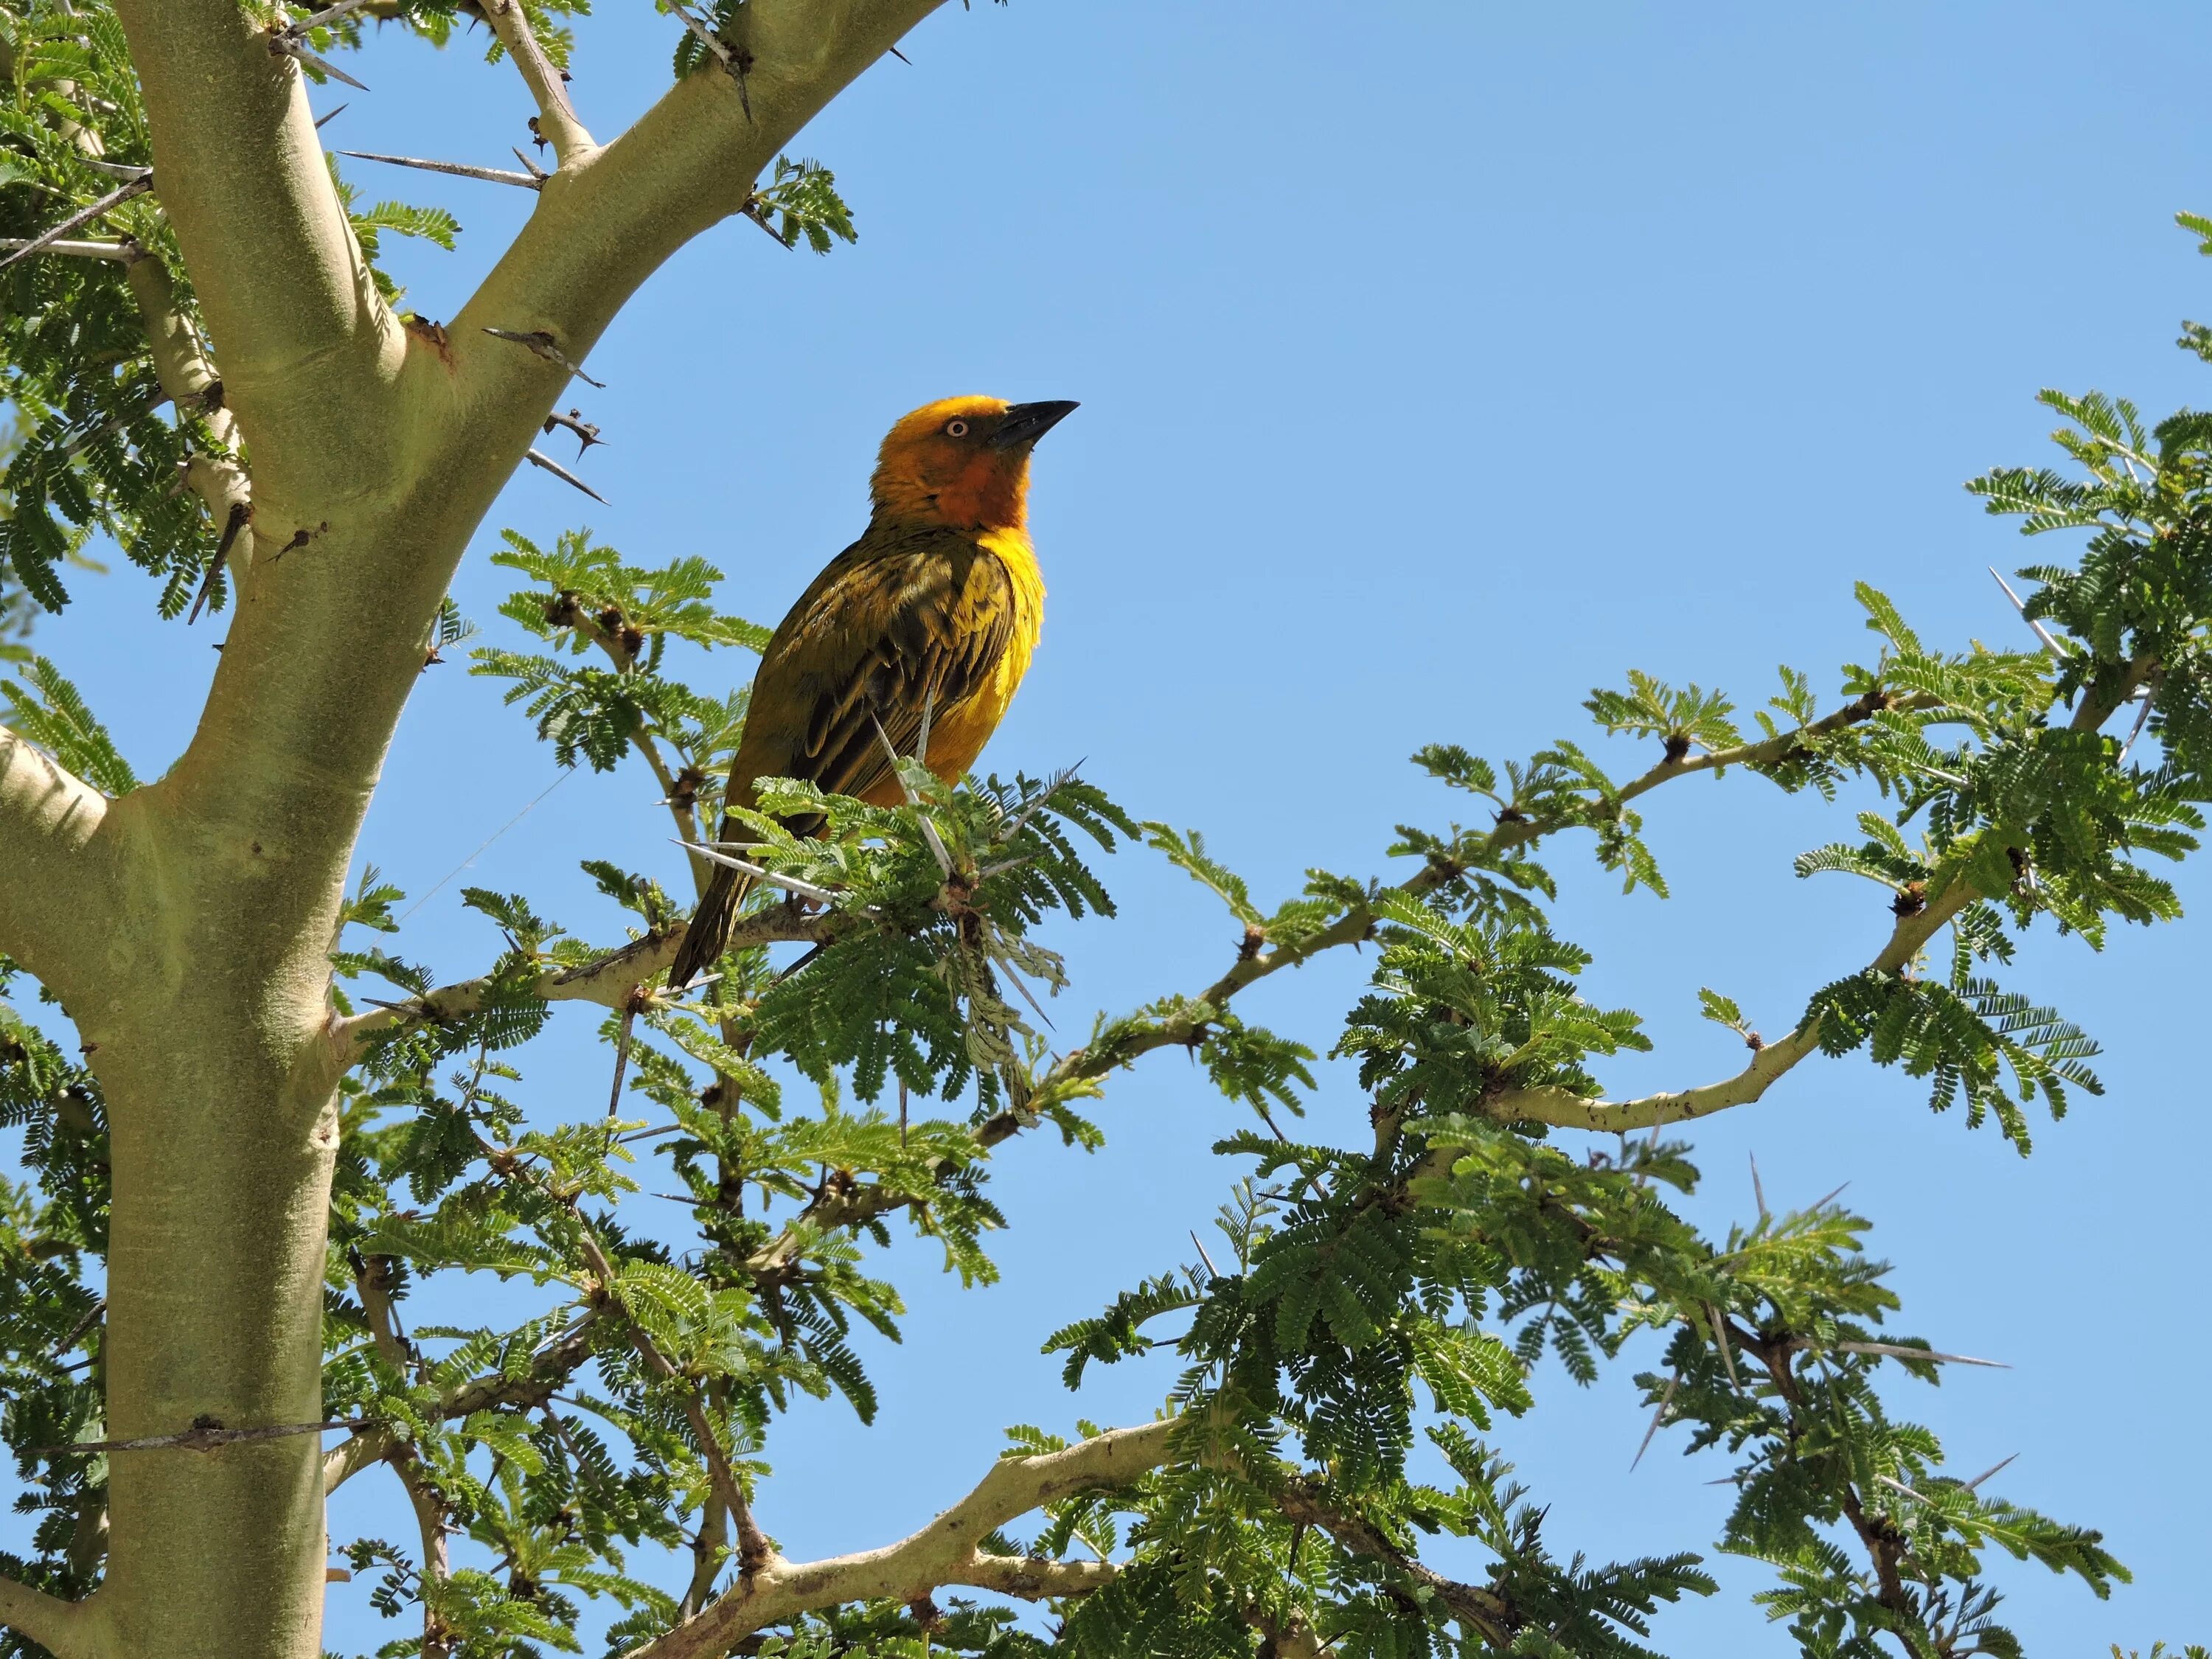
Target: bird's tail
point(709, 933)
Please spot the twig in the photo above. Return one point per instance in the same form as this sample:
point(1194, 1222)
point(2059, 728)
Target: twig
point(99, 1306)
point(556, 123)
point(754, 1550)
point(562, 473)
point(722, 54)
point(113, 199)
point(458, 169)
point(539, 344)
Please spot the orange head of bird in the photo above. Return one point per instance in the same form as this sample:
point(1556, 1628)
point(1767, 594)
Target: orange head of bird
point(963, 462)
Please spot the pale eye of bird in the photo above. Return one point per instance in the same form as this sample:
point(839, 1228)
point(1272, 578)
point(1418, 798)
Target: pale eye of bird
point(955, 428)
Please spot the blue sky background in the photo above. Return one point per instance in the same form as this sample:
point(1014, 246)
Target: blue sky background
point(1438, 363)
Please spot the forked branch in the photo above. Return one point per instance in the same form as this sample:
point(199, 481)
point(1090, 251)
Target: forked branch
point(557, 123)
point(54, 904)
point(945, 1552)
point(68, 1630)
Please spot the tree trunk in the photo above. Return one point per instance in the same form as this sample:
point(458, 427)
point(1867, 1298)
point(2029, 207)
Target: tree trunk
point(223, 1145)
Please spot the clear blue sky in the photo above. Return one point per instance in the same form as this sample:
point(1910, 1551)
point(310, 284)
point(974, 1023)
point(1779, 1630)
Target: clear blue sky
point(1438, 362)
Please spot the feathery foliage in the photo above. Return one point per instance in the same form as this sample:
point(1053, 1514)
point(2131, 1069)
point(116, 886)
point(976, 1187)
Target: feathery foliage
point(1345, 1369)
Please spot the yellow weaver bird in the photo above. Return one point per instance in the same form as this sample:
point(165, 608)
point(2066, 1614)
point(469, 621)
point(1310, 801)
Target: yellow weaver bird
point(936, 607)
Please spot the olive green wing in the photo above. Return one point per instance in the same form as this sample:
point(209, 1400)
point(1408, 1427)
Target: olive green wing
point(891, 628)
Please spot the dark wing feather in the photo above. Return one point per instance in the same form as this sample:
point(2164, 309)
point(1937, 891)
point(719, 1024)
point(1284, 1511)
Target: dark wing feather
point(900, 621)
point(888, 631)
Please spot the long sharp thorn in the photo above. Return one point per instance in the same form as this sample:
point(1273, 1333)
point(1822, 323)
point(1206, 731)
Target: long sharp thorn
point(1212, 1271)
point(530, 166)
point(326, 17)
point(928, 711)
point(113, 199)
point(621, 1061)
point(1728, 1354)
point(1758, 1191)
point(1988, 1472)
point(2020, 604)
point(332, 117)
point(1657, 1418)
point(539, 344)
point(805, 890)
point(1830, 1198)
point(2141, 718)
point(1022, 986)
point(564, 475)
point(126, 250)
point(901, 57)
point(928, 829)
point(239, 514)
point(1898, 1351)
point(456, 169)
point(292, 48)
point(1898, 1485)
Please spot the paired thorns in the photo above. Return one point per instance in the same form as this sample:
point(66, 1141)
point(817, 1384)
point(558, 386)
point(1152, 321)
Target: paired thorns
point(539, 344)
point(114, 198)
point(587, 433)
point(458, 169)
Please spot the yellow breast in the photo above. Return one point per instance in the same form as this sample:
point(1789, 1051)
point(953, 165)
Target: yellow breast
point(958, 735)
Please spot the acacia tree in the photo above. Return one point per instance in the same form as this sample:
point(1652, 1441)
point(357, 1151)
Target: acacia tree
point(238, 1172)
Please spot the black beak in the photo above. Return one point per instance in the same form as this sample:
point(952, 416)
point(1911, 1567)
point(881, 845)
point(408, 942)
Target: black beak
point(1024, 424)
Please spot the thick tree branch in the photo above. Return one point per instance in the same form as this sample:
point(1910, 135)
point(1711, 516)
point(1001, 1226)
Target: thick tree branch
point(1187, 1027)
point(606, 223)
point(754, 1550)
point(945, 1552)
point(1481, 1610)
point(68, 1630)
point(607, 980)
point(557, 117)
point(550, 1369)
point(305, 342)
point(55, 906)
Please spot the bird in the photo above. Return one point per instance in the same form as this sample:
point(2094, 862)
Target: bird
point(934, 612)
